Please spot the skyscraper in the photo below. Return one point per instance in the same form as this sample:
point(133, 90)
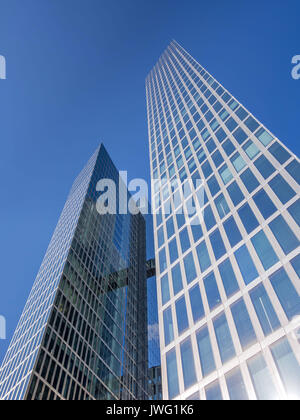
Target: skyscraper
point(226, 240)
point(83, 332)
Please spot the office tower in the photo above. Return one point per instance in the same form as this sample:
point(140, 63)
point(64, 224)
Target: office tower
point(227, 247)
point(83, 332)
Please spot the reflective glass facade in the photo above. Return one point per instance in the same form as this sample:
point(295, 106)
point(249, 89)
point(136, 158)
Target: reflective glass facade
point(228, 271)
point(83, 332)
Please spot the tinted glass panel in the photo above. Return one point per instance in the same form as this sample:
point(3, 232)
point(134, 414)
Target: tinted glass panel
point(243, 324)
point(246, 265)
point(205, 352)
point(286, 293)
point(228, 277)
point(284, 235)
point(236, 387)
point(212, 291)
point(173, 385)
point(264, 250)
point(196, 303)
point(188, 365)
point(262, 379)
point(182, 318)
point(264, 310)
point(224, 339)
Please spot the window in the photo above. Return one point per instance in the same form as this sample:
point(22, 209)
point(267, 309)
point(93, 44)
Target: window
point(294, 170)
point(162, 260)
point(205, 352)
point(222, 206)
point(236, 387)
point(176, 279)
point(213, 185)
point(196, 303)
point(279, 153)
point(262, 379)
point(246, 265)
point(264, 137)
point(264, 204)
point(296, 264)
point(184, 240)
point(172, 373)
point(213, 392)
point(249, 180)
point(228, 147)
point(225, 174)
point(238, 162)
point(165, 291)
point(188, 365)
point(264, 310)
point(217, 158)
point(240, 135)
point(232, 231)
point(264, 167)
point(288, 367)
point(189, 266)
point(173, 250)
point(282, 189)
point(251, 149)
point(284, 235)
point(235, 193)
point(294, 211)
point(251, 123)
point(243, 324)
point(224, 339)
point(168, 326)
point(203, 256)
point(286, 293)
point(182, 318)
point(217, 244)
point(196, 229)
point(160, 237)
point(264, 250)
point(247, 217)
point(170, 227)
point(228, 278)
point(212, 291)
point(206, 169)
point(209, 218)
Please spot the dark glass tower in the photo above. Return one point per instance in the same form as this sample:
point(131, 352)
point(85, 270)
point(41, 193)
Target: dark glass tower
point(226, 240)
point(83, 332)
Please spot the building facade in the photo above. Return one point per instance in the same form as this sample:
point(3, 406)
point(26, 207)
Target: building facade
point(83, 332)
point(226, 240)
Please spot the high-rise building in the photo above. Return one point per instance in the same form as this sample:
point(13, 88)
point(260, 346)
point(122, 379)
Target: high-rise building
point(226, 240)
point(83, 332)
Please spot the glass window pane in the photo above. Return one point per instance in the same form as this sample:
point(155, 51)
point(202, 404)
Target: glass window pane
point(205, 352)
point(203, 256)
point(251, 149)
point(264, 310)
point(236, 386)
point(209, 218)
point(168, 326)
point(190, 270)
point(182, 318)
point(288, 367)
point(294, 211)
point(264, 250)
point(213, 392)
point(264, 137)
point(232, 231)
point(284, 235)
point(246, 214)
point(228, 278)
point(286, 293)
point(246, 265)
point(196, 303)
point(173, 250)
point(243, 324)
point(262, 379)
point(296, 264)
point(165, 291)
point(249, 180)
point(222, 206)
point(213, 185)
point(160, 237)
point(235, 193)
point(170, 227)
point(217, 244)
point(184, 240)
point(294, 170)
point(264, 166)
point(238, 162)
point(264, 204)
point(279, 153)
point(172, 373)
point(188, 365)
point(251, 123)
point(282, 189)
point(212, 291)
point(240, 135)
point(224, 339)
point(177, 279)
point(162, 260)
point(196, 229)
point(225, 174)
point(228, 147)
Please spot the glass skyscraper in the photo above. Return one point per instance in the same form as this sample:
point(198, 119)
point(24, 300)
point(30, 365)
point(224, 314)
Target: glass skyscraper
point(83, 332)
point(226, 240)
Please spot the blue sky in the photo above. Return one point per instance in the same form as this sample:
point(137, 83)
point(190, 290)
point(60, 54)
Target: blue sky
point(75, 76)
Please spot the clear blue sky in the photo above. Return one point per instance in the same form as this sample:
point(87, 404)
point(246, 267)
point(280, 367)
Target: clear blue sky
point(75, 76)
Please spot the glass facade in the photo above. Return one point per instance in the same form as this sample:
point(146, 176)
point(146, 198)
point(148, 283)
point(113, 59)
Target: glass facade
point(228, 271)
point(83, 332)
